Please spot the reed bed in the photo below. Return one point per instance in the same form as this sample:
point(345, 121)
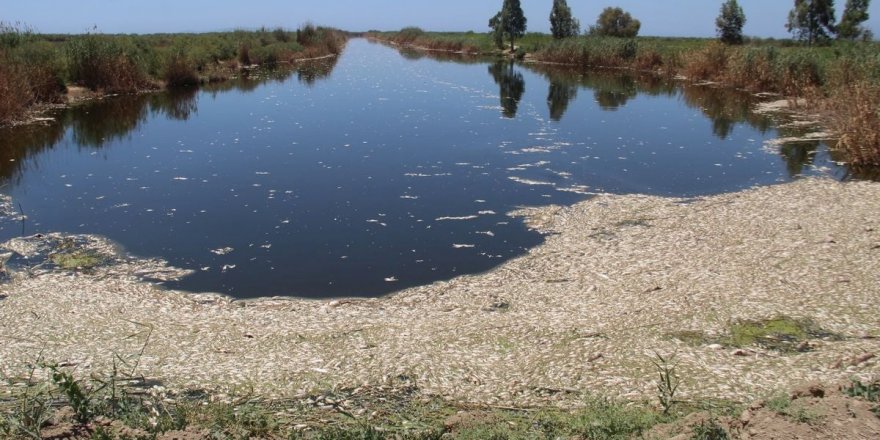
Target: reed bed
point(35, 69)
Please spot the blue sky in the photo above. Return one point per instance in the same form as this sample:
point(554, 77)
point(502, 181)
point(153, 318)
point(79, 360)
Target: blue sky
point(766, 18)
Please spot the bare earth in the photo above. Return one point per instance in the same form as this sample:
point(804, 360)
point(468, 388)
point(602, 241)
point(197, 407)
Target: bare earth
point(586, 311)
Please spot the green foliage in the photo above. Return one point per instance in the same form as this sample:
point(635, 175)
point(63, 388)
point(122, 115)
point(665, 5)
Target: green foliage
point(562, 24)
point(615, 22)
point(730, 22)
point(604, 419)
point(76, 397)
point(812, 21)
point(31, 410)
point(709, 430)
point(667, 382)
point(497, 31)
point(511, 21)
point(869, 391)
point(101, 62)
point(854, 14)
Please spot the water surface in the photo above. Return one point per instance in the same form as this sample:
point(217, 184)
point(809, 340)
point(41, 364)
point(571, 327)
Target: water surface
point(376, 172)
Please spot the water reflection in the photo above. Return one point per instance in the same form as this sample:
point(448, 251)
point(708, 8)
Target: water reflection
point(558, 97)
point(611, 89)
point(726, 108)
point(19, 144)
point(511, 87)
point(100, 123)
point(373, 181)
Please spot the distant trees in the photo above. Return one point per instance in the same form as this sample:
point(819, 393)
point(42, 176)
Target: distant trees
point(615, 22)
point(511, 21)
point(812, 20)
point(854, 14)
point(562, 24)
point(730, 22)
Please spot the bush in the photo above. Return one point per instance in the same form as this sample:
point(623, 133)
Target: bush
point(15, 91)
point(102, 63)
point(179, 72)
point(857, 120)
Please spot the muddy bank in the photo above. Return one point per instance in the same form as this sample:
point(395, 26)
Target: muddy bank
point(619, 279)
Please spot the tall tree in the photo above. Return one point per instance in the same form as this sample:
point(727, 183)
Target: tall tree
point(615, 22)
point(812, 20)
point(513, 21)
point(562, 24)
point(730, 22)
point(854, 14)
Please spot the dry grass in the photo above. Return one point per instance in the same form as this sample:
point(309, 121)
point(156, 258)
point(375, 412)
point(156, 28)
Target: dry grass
point(15, 93)
point(180, 73)
point(856, 118)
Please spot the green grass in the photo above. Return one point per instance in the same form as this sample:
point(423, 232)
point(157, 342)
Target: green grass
point(795, 410)
point(397, 413)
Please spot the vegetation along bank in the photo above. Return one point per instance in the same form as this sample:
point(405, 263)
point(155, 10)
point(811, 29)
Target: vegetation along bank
point(39, 70)
point(828, 67)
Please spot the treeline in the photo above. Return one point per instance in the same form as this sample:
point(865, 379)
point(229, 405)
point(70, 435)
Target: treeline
point(829, 66)
point(36, 69)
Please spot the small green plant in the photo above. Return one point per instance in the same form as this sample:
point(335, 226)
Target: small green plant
point(75, 394)
point(667, 382)
point(783, 405)
point(32, 408)
point(709, 430)
point(869, 391)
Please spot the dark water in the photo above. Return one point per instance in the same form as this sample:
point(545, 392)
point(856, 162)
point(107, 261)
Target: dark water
point(377, 172)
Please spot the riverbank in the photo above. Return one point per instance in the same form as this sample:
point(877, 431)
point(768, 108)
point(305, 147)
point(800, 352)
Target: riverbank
point(40, 72)
point(749, 293)
point(839, 81)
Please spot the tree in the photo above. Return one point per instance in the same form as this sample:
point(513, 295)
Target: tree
point(812, 20)
point(497, 30)
point(854, 14)
point(562, 24)
point(730, 22)
point(511, 21)
point(615, 22)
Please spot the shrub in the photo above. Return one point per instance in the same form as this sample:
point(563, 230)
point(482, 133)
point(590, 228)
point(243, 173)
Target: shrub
point(856, 110)
point(179, 72)
point(708, 63)
point(244, 54)
point(102, 63)
point(15, 91)
point(409, 34)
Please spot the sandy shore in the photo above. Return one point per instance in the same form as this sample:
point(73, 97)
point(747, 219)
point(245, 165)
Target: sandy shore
point(586, 311)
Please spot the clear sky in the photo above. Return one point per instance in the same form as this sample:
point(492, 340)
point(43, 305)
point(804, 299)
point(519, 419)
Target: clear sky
point(766, 18)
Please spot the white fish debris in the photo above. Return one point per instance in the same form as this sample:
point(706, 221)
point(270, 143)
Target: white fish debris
point(222, 251)
point(466, 217)
point(530, 181)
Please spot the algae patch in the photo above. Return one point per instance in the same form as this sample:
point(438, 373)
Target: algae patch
point(781, 333)
point(76, 260)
